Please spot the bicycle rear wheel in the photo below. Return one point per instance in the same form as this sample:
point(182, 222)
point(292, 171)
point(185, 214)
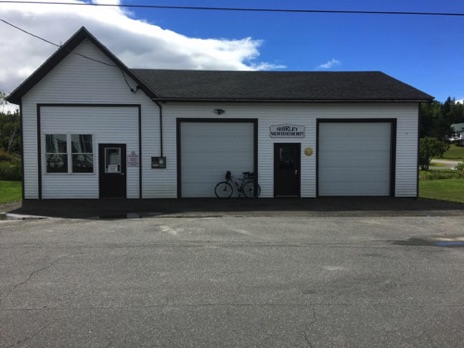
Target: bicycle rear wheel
point(250, 190)
point(223, 190)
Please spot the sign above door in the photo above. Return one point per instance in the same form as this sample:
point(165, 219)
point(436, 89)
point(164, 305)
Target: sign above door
point(287, 131)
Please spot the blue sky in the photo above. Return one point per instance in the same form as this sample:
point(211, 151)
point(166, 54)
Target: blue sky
point(426, 52)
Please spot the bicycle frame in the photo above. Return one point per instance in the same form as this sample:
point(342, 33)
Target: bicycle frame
point(238, 186)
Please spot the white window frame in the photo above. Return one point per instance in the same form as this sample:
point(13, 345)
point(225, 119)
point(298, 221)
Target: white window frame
point(70, 153)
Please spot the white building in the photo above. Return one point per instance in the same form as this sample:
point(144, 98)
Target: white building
point(93, 128)
point(458, 134)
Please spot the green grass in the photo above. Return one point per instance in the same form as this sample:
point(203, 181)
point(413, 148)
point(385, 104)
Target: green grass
point(454, 153)
point(10, 191)
point(442, 189)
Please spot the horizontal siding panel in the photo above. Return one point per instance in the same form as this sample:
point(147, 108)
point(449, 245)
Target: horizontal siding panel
point(107, 125)
point(29, 137)
point(406, 149)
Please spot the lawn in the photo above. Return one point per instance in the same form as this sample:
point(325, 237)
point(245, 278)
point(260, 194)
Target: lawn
point(442, 189)
point(10, 191)
point(454, 153)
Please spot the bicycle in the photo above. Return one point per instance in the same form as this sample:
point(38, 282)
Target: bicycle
point(247, 186)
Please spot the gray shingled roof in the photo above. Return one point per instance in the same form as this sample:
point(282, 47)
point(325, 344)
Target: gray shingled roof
point(277, 86)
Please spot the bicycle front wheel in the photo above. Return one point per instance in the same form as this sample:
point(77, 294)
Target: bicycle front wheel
point(223, 190)
point(250, 190)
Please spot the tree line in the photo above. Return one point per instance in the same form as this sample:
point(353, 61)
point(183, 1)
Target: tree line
point(436, 118)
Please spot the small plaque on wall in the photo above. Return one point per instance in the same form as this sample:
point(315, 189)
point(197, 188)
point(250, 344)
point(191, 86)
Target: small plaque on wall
point(132, 159)
point(158, 162)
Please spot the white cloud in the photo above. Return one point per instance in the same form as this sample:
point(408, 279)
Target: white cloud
point(330, 64)
point(137, 43)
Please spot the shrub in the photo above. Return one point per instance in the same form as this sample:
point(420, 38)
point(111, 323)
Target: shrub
point(438, 174)
point(10, 166)
point(429, 148)
point(460, 168)
point(10, 171)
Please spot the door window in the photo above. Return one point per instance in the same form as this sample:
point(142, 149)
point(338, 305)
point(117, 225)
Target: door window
point(112, 160)
point(286, 157)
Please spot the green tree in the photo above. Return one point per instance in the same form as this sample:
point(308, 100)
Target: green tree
point(453, 111)
point(428, 114)
point(435, 119)
point(428, 148)
point(10, 129)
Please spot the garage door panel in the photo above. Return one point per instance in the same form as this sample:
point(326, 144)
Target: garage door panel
point(354, 159)
point(209, 149)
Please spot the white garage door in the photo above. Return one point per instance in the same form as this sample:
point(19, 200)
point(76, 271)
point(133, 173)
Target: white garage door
point(354, 159)
point(210, 149)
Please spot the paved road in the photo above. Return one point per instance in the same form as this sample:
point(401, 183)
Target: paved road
point(232, 281)
point(445, 164)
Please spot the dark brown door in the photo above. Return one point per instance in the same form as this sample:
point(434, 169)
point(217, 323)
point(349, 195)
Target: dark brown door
point(112, 168)
point(287, 170)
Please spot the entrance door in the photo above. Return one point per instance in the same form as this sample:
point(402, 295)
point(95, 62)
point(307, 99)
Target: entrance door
point(287, 170)
point(112, 168)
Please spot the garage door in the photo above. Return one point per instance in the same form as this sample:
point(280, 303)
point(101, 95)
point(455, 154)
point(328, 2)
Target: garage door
point(354, 159)
point(210, 149)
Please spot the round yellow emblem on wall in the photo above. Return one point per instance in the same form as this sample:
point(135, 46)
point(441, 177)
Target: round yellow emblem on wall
point(308, 151)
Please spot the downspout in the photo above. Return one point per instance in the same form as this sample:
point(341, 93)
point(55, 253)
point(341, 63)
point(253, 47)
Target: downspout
point(160, 127)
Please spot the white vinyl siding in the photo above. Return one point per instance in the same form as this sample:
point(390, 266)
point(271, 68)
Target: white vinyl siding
point(108, 125)
point(208, 150)
point(354, 159)
point(406, 153)
point(77, 80)
point(306, 115)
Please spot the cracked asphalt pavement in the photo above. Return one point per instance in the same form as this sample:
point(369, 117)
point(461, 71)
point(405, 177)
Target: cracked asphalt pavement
point(232, 281)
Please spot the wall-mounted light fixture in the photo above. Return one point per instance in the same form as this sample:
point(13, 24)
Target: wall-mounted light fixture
point(219, 111)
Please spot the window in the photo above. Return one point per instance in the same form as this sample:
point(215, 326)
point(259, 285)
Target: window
point(56, 153)
point(82, 153)
point(69, 153)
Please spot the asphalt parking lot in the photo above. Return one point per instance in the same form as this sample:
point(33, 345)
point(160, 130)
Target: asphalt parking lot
point(235, 278)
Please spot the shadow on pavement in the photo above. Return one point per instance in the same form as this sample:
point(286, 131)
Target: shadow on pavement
point(334, 206)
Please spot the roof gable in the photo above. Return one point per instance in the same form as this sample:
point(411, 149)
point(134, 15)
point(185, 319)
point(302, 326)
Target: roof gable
point(66, 49)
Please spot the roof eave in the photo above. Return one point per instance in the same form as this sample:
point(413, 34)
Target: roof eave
point(313, 101)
